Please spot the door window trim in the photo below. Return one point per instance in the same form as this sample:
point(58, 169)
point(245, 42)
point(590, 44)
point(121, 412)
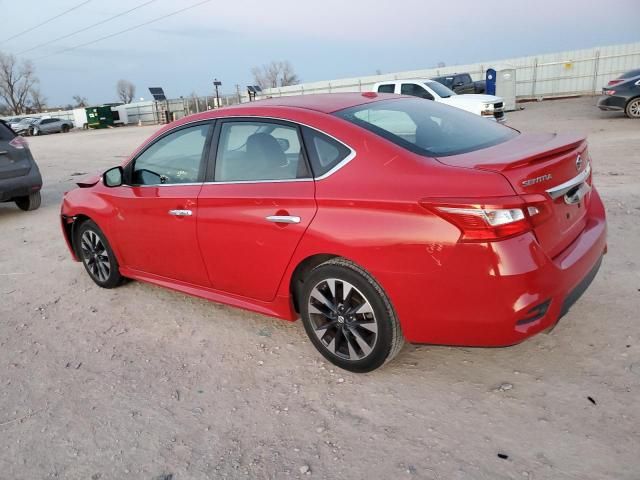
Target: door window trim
point(128, 168)
point(213, 150)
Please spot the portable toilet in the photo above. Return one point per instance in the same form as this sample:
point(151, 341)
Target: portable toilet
point(501, 81)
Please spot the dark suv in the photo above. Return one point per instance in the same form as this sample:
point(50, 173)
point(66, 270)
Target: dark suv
point(20, 179)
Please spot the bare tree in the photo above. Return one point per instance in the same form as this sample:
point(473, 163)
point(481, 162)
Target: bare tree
point(126, 90)
point(37, 101)
point(80, 101)
point(275, 74)
point(17, 79)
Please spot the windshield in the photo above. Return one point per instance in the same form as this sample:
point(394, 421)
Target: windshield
point(427, 128)
point(440, 89)
point(27, 120)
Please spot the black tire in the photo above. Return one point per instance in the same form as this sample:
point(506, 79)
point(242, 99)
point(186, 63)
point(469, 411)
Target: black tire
point(632, 110)
point(96, 255)
point(65, 128)
point(30, 202)
point(343, 334)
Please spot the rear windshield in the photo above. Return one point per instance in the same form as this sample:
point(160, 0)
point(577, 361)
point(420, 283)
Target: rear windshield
point(427, 128)
point(6, 134)
point(630, 74)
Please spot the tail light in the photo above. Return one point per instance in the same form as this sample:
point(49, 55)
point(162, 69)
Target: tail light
point(609, 92)
point(19, 143)
point(490, 219)
point(615, 82)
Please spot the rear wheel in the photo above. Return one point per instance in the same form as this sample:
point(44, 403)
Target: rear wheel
point(29, 202)
point(65, 128)
point(633, 108)
point(96, 255)
point(348, 317)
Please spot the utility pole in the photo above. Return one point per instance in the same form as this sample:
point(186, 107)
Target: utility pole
point(217, 83)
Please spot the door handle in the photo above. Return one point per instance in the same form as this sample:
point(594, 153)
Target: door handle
point(283, 219)
point(3, 152)
point(181, 213)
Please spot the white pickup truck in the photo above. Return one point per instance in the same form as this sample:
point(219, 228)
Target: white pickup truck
point(488, 106)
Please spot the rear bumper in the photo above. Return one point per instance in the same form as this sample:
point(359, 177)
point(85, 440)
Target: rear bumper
point(612, 102)
point(11, 188)
point(501, 293)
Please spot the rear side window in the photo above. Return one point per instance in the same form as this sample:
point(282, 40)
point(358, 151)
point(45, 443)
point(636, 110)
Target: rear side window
point(427, 128)
point(6, 134)
point(250, 151)
point(324, 152)
point(389, 88)
point(415, 91)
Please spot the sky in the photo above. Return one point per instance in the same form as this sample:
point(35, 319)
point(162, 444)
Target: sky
point(323, 40)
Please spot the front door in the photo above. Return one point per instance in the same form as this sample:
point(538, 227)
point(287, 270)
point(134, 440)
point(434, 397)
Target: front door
point(254, 213)
point(157, 212)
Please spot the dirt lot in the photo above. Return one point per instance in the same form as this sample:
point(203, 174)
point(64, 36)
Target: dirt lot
point(141, 382)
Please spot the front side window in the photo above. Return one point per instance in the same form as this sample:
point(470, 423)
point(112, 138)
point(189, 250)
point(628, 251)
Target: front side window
point(325, 153)
point(415, 91)
point(388, 88)
point(175, 158)
point(441, 90)
point(259, 151)
point(427, 128)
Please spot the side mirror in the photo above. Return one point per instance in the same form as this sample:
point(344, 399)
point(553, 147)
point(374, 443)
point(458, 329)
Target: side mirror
point(459, 84)
point(113, 177)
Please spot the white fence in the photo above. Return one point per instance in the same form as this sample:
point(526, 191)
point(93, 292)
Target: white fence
point(577, 72)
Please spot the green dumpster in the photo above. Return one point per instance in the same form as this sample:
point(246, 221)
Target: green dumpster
point(99, 117)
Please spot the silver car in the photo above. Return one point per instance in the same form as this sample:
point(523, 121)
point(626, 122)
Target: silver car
point(50, 125)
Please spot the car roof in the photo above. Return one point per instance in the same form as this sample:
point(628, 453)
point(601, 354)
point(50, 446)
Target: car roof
point(320, 102)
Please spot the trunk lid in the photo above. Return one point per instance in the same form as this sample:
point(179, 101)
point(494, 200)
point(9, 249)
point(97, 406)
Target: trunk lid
point(556, 166)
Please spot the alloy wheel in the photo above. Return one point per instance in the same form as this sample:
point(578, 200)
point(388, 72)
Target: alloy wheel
point(634, 108)
point(343, 319)
point(95, 255)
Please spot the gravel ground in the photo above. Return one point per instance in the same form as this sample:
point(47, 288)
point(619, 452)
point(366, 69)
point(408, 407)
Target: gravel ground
point(142, 383)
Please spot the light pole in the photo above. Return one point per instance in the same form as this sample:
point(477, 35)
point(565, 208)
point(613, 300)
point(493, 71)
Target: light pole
point(217, 83)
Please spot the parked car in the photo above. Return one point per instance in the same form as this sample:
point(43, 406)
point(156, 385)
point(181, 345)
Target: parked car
point(375, 218)
point(487, 106)
point(622, 96)
point(20, 179)
point(625, 76)
point(21, 125)
point(50, 125)
point(462, 83)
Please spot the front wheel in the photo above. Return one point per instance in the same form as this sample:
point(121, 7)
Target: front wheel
point(97, 256)
point(348, 317)
point(633, 108)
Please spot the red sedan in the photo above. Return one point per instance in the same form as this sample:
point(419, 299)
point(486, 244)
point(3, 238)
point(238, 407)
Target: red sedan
point(375, 218)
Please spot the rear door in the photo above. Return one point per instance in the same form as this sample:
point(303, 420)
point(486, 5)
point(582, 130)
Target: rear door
point(15, 159)
point(257, 204)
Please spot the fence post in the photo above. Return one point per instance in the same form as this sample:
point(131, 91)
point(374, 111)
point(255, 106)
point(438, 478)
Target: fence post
point(535, 75)
point(596, 65)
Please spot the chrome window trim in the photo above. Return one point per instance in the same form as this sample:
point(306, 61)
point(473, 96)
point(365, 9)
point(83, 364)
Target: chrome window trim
point(563, 188)
point(337, 167)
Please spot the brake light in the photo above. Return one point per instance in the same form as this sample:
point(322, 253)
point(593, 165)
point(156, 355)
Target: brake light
point(615, 82)
point(609, 92)
point(481, 220)
point(19, 143)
